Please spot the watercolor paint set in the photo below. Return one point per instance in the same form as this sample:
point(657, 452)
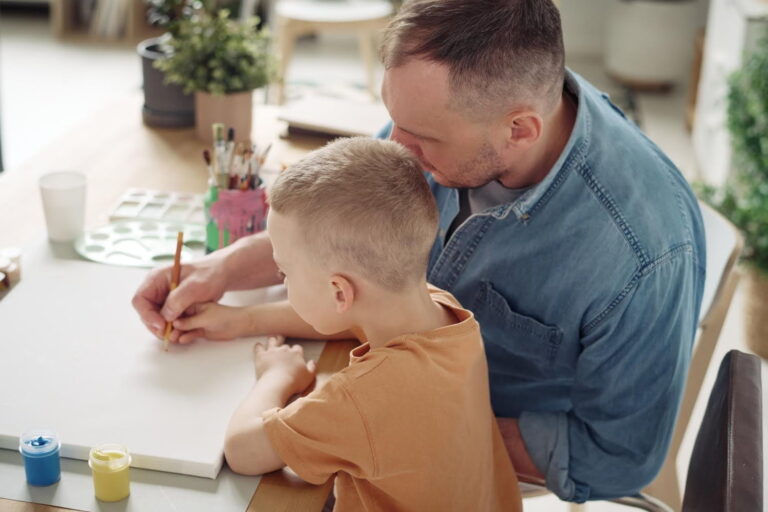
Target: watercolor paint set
point(155, 205)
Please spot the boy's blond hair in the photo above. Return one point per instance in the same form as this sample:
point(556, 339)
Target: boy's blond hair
point(362, 204)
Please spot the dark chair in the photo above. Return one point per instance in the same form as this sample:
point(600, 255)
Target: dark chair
point(725, 473)
point(726, 469)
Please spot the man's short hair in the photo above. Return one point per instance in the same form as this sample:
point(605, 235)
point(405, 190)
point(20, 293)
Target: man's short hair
point(500, 53)
point(362, 204)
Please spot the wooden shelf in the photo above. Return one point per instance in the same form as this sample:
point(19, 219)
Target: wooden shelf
point(65, 23)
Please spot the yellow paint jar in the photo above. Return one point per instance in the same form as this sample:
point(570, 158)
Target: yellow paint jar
point(110, 465)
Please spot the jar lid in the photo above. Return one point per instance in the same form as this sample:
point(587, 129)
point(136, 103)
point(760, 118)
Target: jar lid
point(12, 253)
point(109, 457)
point(38, 442)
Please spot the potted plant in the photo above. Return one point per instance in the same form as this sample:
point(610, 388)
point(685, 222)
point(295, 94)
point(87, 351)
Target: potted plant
point(744, 198)
point(221, 62)
point(165, 105)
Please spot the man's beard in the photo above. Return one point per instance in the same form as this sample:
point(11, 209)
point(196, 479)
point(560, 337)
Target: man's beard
point(486, 166)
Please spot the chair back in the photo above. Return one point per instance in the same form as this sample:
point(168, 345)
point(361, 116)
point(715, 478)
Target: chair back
point(725, 473)
point(724, 244)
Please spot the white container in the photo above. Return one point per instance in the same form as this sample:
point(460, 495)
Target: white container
point(63, 195)
point(650, 43)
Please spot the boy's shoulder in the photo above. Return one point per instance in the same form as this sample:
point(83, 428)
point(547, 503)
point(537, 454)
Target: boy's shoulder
point(410, 356)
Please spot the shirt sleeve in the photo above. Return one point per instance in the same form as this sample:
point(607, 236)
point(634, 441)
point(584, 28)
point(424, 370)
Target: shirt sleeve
point(321, 434)
point(629, 382)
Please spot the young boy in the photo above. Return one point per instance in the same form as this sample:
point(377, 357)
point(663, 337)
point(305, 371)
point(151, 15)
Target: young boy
point(408, 424)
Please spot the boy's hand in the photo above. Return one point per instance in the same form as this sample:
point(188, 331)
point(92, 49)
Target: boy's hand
point(285, 365)
point(212, 321)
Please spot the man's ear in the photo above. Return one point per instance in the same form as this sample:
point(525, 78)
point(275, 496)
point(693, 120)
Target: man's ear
point(343, 292)
point(522, 128)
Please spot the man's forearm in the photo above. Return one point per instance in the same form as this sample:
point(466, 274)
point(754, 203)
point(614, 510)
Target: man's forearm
point(518, 454)
point(249, 263)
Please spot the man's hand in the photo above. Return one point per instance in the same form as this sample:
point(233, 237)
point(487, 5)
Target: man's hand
point(200, 282)
point(283, 365)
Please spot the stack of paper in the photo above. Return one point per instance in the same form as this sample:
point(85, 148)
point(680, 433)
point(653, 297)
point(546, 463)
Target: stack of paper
point(334, 116)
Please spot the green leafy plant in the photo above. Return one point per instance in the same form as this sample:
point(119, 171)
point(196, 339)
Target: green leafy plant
point(167, 14)
point(212, 53)
point(744, 199)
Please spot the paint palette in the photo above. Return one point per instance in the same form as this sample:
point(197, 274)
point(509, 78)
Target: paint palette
point(141, 204)
point(140, 243)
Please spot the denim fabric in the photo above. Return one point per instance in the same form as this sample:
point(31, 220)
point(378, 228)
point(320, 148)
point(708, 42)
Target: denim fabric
point(587, 289)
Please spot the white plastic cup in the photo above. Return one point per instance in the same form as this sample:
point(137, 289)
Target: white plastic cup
point(63, 194)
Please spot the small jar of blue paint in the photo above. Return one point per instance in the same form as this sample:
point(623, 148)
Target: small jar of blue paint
point(40, 450)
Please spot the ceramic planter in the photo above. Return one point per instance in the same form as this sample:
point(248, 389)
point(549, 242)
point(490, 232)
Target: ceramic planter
point(165, 105)
point(233, 110)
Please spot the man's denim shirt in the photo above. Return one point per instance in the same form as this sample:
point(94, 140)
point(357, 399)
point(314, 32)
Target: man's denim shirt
point(587, 289)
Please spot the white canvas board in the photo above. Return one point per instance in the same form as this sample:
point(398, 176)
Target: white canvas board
point(75, 358)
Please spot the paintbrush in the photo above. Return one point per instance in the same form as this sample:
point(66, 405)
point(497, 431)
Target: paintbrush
point(211, 175)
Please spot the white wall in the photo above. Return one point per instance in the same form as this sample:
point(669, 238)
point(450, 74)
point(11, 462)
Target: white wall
point(584, 24)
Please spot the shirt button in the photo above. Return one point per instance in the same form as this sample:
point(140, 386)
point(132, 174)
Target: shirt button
point(525, 216)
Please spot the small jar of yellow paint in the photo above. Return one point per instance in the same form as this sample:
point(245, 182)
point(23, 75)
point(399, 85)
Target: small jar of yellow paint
point(110, 465)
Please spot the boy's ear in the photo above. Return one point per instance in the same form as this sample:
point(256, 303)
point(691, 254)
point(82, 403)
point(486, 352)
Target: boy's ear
point(344, 292)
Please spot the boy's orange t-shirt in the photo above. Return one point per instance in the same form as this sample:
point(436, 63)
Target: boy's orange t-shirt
point(406, 426)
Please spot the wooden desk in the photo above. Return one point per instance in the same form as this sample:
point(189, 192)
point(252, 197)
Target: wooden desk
point(116, 152)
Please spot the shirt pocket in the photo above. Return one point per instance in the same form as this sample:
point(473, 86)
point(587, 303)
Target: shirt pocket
point(515, 344)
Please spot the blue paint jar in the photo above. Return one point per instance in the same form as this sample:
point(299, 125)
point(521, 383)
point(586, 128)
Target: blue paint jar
point(40, 450)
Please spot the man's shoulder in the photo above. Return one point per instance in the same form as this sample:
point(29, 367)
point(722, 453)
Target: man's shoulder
point(635, 186)
point(615, 146)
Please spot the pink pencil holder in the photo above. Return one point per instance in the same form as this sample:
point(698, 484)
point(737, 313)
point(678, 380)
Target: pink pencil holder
point(235, 214)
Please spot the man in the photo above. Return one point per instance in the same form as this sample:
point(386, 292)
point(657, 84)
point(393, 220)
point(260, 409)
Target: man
point(574, 240)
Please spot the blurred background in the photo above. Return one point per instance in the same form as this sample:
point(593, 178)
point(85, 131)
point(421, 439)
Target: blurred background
point(59, 63)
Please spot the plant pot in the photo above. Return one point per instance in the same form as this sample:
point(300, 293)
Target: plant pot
point(756, 313)
point(233, 110)
point(165, 105)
